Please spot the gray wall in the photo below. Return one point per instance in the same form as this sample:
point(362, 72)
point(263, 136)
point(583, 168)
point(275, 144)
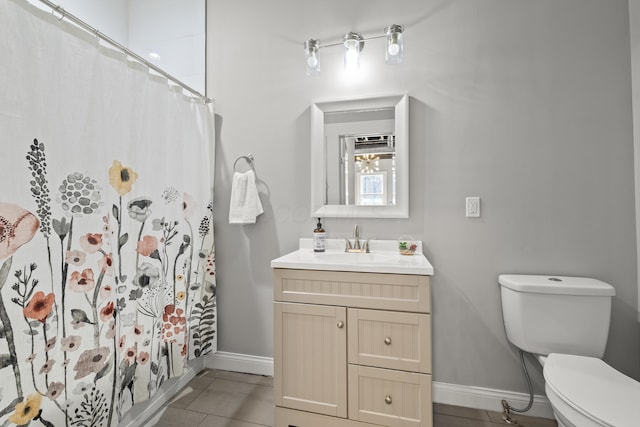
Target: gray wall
point(525, 104)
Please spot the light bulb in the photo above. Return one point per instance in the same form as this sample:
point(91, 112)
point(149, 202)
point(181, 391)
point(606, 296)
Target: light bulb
point(394, 48)
point(312, 59)
point(351, 57)
point(353, 44)
point(394, 52)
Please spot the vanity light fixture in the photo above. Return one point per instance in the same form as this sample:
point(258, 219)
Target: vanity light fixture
point(312, 60)
point(395, 46)
point(353, 44)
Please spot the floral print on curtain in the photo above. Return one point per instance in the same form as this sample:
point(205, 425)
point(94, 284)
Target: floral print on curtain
point(105, 292)
point(107, 262)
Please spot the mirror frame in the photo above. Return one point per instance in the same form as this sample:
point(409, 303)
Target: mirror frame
point(319, 161)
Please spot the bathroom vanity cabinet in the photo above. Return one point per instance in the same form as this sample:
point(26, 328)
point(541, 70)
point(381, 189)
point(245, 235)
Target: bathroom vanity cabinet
point(351, 349)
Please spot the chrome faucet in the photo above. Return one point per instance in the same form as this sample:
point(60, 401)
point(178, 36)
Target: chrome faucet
point(356, 238)
point(356, 247)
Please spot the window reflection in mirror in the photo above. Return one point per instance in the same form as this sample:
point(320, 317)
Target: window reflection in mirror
point(360, 157)
point(367, 169)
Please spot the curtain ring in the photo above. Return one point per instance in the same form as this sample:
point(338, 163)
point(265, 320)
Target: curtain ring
point(60, 10)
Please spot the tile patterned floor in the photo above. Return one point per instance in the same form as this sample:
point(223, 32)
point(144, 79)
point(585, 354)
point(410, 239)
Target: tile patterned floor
point(230, 399)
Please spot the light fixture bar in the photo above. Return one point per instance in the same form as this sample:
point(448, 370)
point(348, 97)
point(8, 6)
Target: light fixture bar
point(353, 44)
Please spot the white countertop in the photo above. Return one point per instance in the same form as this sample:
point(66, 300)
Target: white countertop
point(384, 257)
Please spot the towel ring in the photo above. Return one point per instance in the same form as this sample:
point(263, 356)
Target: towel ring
point(248, 158)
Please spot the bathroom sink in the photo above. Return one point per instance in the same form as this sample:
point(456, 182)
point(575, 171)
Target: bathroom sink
point(383, 258)
point(353, 258)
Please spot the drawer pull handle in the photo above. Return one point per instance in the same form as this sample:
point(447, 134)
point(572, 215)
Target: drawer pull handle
point(387, 400)
point(340, 324)
point(387, 341)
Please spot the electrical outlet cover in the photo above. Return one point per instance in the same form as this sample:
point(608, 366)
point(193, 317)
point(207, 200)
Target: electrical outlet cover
point(473, 207)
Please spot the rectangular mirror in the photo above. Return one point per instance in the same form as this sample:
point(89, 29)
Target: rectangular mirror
point(359, 157)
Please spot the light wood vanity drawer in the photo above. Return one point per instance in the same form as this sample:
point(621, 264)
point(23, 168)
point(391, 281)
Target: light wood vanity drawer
point(389, 339)
point(400, 292)
point(390, 398)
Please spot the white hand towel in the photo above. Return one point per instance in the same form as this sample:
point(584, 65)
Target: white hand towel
point(245, 203)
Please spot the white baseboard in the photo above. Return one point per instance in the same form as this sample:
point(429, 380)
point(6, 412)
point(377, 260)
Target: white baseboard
point(450, 394)
point(144, 414)
point(236, 362)
point(489, 399)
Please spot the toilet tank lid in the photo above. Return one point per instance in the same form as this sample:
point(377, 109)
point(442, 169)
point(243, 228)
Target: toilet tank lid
point(560, 285)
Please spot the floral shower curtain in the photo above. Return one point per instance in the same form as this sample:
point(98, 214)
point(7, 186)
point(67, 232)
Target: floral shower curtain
point(107, 263)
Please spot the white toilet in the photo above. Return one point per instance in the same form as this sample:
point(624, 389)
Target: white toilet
point(564, 322)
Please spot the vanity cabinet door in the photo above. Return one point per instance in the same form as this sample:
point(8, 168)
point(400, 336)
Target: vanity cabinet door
point(310, 358)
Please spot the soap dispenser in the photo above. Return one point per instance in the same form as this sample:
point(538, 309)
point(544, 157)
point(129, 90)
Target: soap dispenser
point(319, 238)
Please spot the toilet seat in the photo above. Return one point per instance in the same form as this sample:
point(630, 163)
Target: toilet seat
point(588, 391)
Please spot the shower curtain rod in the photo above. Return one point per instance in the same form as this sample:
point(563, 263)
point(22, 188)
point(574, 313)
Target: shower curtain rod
point(123, 48)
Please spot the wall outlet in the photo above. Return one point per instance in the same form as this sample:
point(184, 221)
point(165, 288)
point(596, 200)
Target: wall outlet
point(473, 207)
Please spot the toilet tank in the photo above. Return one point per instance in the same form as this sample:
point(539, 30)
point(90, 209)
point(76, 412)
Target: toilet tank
point(556, 314)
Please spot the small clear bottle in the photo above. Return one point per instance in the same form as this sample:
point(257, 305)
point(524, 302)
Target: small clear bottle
point(319, 238)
